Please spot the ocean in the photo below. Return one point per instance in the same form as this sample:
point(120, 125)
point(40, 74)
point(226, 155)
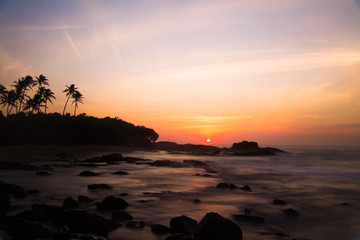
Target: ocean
point(322, 184)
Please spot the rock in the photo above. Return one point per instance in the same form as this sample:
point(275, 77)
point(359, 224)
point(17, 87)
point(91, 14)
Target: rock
point(345, 204)
point(195, 163)
point(112, 203)
point(214, 226)
point(94, 160)
point(88, 174)
point(197, 200)
point(226, 186)
point(246, 188)
point(160, 229)
point(112, 157)
point(83, 222)
point(244, 147)
point(52, 212)
point(84, 199)
point(249, 219)
point(135, 224)
point(166, 163)
point(12, 189)
point(232, 186)
point(291, 212)
point(99, 186)
point(279, 202)
point(183, 224)
point(32, 215)
point(4, 203)
point(120, 173)
point(42, 173)
point(121, 216)
point(179, 236)
point(209, 170)
point(17, 166)
point(134, 160)
point(32, 230)
point(70, 203)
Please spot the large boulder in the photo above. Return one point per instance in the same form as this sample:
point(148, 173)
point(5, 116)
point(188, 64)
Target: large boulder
point(70, 203)
point(245, 147)
point(214, 226)
point(88, 174)
point(183, 224)
point(112, 157)
point(112, 203)
point(12, 189)
point(121, 216)
point(32, 215)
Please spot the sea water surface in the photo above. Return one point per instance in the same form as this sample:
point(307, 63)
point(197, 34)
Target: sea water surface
point(321, 183)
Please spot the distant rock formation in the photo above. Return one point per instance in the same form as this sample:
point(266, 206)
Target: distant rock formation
point(246, 148)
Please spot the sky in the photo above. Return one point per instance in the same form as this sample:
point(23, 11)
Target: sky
point(277, 72)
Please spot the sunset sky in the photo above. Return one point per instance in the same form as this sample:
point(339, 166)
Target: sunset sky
point(275, 72)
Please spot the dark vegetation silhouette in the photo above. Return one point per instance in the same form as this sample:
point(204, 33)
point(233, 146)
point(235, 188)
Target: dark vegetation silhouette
point(54, 128)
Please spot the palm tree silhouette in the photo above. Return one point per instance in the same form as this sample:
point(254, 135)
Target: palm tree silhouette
point(78, 97)
point(22, 85)
point(47, 95)
point(41, 80)
point(70, 90)
point(34, 104)
point(9, 99)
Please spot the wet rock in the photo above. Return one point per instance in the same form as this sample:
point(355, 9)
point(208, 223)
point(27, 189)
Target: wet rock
point(112, 157)
point(91, 165)
point(121, 216)
point(166, 163)
point(84, 199)
point(214, 226)
point(160, 229)
point(94, 160)
point(247, 211)
point(17, 166)
point(197, 200)
point(12, 189)
point(33, 191)
point(135, 224)
point(279, 202)
point(32, 215)
point(226, 186)
point(70, 203)
point(249, 219)
point(134, 160)
point(345, 204)
point(246, 188)
point(52, 212)
point(32, 230)
point(99, 186)
point(83, 222)
point(183, 224)
point(179, 236)
point(42, 173)
point(4, 203)
point(195, 164)
point(208, 170)
point(88, 174)
point(120, 173)
point(112, 203)
point(291, 212)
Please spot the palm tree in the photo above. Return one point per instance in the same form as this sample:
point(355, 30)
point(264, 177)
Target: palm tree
point(34, 104)
point(9, 99)
point(47, 95)
point(22, 85)
point(70, 90)
point(41, 80)
point(78, 97)
point(2, 89)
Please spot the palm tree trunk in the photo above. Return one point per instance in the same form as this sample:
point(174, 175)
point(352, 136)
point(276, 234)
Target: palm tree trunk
point(75, 110)
point(45, 106)
point(66, 104)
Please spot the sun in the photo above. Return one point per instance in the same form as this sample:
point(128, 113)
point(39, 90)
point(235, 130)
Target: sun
point(208, 140)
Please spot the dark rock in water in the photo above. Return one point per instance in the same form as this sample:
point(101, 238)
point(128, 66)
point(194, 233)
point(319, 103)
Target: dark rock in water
point(167, 163)
point(88, 174)
point(226, 185)
point(91, 165)
point(32, 215)
point(17, 166)
point(124, 194)
point(249, 219)
point(112, 157)
point(160, 229)
point(94, 160)
point(32, 230)
point(120, 173)
point(77, 236)
point(52, 212)
point(345, 204)
point(4, 203)
point(214, 226)
point(232, 186)
point(179, 236)
point(291, 212)
point(12, 189)
point(246, 188)
point(197, 200)
point(83, 222)
point(247, 211)
point(42, 173)
point(121, 216)
point(209, 170)
point(245, 146)
point(71, 203)
point(99, 186)
point(112, 203)
point(84, 199)
point(195, 163)
point(183, 224)
point(135, 224)
point(33, 191)
point(279, 202)
point(134, 160)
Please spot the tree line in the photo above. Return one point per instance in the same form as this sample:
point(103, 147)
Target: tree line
point(25, 97)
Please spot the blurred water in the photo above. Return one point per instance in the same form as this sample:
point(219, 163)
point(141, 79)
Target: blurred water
point(314, 181)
